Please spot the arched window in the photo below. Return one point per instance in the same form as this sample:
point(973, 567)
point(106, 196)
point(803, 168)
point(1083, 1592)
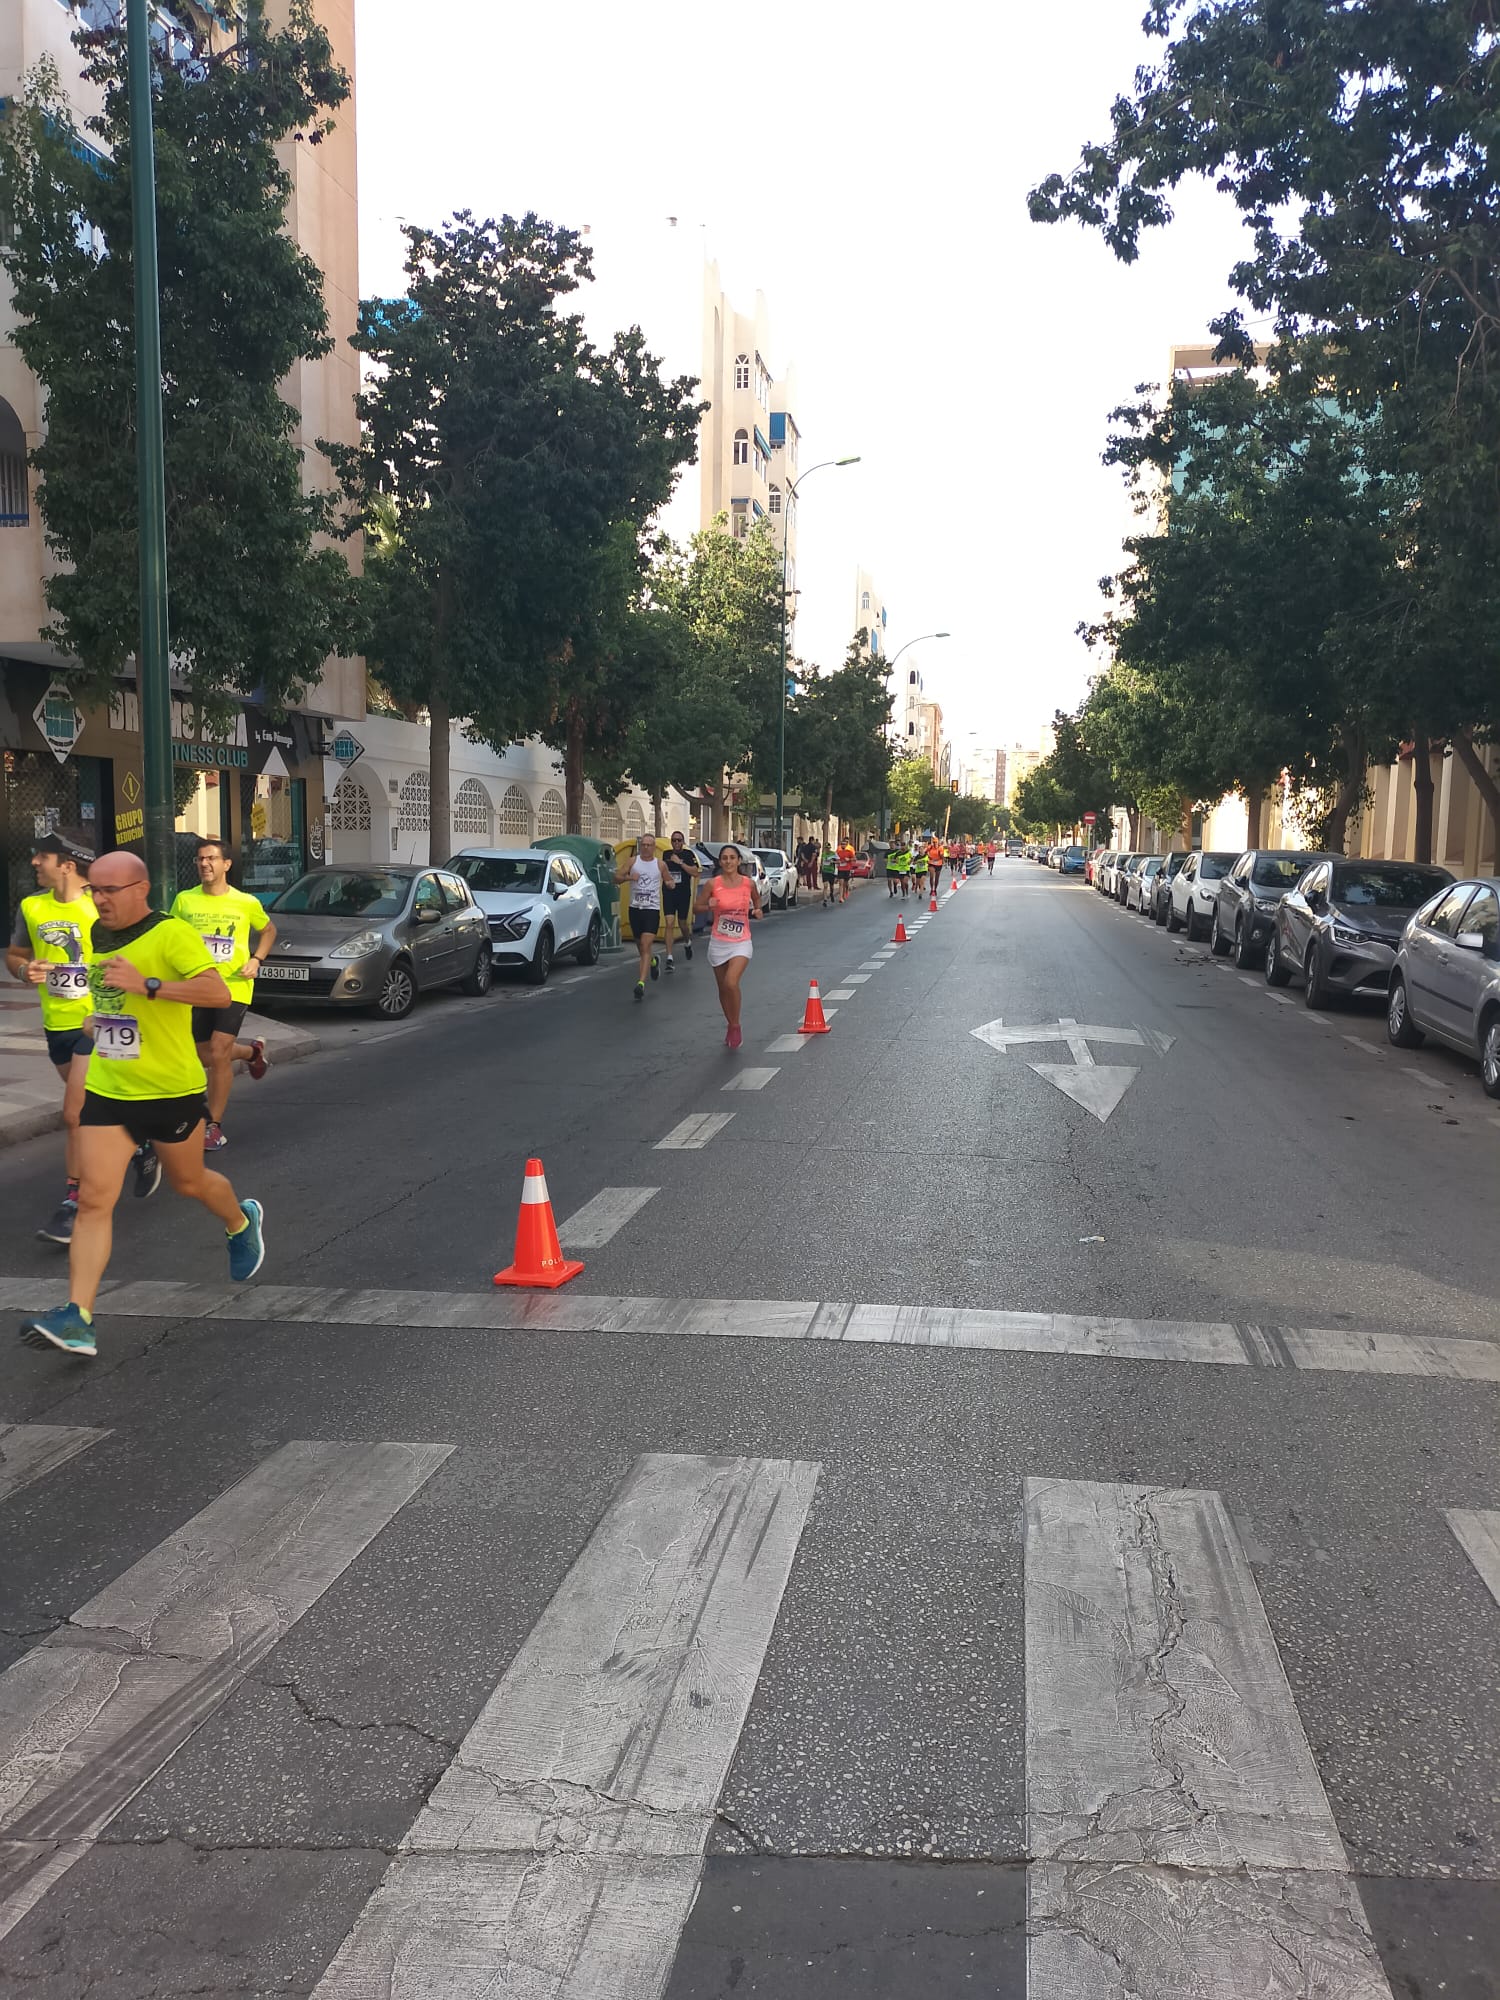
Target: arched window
point(611, 826)
point(349, 808)
point(471, 811)
point(742, 371)
point(414, 803)
point(515, 814)
point(742, 447)
point(864, 600)
point(775, 501)
point(15, 499)
point(635, 819)
point(551, 815)
point(588, 819)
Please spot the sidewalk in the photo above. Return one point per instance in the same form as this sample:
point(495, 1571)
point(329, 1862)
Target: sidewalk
point(30, 1099)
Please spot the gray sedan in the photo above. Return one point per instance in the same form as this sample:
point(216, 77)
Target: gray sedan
point(1340, 926)
point(1446, 979)
point(375, 937)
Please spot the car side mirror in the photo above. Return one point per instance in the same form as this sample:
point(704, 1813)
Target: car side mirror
point(1471, 940)
point(1316, 900)
point(426, 916)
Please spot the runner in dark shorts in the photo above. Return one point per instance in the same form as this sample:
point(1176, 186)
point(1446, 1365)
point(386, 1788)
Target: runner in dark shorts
point(682, 865)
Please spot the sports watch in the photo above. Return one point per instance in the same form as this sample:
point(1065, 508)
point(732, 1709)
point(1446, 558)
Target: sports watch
point(153, 987)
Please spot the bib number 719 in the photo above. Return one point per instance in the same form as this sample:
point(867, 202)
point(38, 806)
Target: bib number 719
point(117, 1037)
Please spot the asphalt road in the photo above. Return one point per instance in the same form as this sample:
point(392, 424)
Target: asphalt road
point(889, 1741)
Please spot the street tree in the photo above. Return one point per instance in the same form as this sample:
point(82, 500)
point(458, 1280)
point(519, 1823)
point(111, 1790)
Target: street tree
point(521, 465)
point(257, 600)
point(691, 725)
point(909, 789)
point(837, 748)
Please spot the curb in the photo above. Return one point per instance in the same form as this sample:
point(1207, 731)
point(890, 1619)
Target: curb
point(283, 1044)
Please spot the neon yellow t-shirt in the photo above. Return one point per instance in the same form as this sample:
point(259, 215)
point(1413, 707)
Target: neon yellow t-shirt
point(59, 934)
point(142, 1047)
point(225, 924)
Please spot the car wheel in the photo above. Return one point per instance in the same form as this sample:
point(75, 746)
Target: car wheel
point(398, 992)
point(1489, 1056)
point(1245, 952)
point(1315, 988)
point(1399, 1026)
point(479, 980)
point(1217, 940)
point(1174, 922)
point(1278, 972)
point(541, 959)
point(588, 951)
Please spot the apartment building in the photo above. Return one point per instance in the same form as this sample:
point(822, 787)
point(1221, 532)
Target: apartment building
point(982, 774)
point(1012, 765)
point(748, 439)
point(869, 615)
point(266, 787)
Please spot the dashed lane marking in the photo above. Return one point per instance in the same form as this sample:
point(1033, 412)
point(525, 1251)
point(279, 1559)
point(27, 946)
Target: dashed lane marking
point(786, 1045)
point(1359, 1042)
point(841, 993)
point(30, 1451)
point(694, 1132)
point(858, 978)
point(593, 1225)
point(1478, 1535)
point(751, 1079)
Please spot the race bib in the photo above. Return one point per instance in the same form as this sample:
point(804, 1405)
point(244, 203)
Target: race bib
point(731, 927)
point(68, 982)
point(220, 949)
point(117, 1037)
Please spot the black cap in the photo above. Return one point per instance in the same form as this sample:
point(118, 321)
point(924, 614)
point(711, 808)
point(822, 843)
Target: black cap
point(64, 848)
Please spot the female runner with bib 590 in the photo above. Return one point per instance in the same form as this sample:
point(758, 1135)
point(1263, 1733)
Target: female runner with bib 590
point(731, 897)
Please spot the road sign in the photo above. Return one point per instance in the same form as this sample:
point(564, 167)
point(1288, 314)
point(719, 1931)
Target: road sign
point(1098, 1087)
point(1089, 818)
point(346, 748)
point(60, 720)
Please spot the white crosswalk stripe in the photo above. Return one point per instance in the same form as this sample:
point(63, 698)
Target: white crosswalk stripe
point(30, 1451)
point(693, 1133)
point(601, 1219)
point(1478, 1533)
point(751, 1079)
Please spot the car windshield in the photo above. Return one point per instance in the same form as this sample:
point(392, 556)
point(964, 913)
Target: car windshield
point(771, 856)
point(1072, 851)
point(1385, 888)
point(1214, 867)
point(345, 892)
point(1277, 871)
point(1151, 864)
point(500, 873)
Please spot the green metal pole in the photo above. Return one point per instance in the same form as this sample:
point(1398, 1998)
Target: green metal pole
point(786, 530)
point(152, 667)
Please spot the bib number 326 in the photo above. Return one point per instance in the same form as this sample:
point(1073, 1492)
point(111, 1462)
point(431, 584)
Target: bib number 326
point(68, 982)
point(117, 1037)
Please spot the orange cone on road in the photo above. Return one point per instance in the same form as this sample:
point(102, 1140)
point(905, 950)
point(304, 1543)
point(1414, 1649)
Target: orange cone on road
point(539, 1261)
point(812, 1021)
point(932, 906)
point(900, 937)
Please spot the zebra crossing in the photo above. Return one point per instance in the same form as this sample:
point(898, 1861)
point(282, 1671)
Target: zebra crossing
point(1179, 1841)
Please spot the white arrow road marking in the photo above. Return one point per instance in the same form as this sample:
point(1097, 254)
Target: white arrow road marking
point(1098, 1088)
point(1001, 1037)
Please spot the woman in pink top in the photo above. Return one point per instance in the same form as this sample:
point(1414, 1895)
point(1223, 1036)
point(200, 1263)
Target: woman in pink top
point(732, 898)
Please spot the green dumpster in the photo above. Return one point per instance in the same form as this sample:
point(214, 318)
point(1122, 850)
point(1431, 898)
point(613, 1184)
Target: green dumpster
point(597, 860)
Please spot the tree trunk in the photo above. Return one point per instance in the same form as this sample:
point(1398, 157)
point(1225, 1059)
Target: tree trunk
point(656, 814)
point(1335, 828)
point(573, 770)
point(1135, 829)
point(1255, 806)
point(1185, 823)
point(439, 781)
point(1484, 784)
point(1421, 777)
point(827, 810)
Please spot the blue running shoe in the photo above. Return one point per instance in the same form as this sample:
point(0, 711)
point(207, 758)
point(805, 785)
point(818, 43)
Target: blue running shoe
point(247, 1250)
point(68, 1328)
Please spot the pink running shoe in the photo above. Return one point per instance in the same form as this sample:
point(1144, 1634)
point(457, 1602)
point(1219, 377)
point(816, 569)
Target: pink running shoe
point(734, 1038)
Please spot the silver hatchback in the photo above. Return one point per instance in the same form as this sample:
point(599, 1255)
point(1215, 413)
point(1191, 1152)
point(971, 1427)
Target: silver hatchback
point(375, 936)
point(1446, 979)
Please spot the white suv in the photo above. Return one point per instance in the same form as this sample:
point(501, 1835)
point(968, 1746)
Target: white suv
point(781, 876)
point(539, 904)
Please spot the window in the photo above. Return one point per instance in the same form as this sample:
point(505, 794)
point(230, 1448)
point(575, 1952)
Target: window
point(551, 816)
point(762, 383)
point(502, 876)
point(762, 463)
point(775, 500)
point(742, 372)
point(611, 826)
point(635, 819)
point(864, 600)
point(1444, 916)
point(911, 679)
point(515, 814)
point(739, 524)
point(742, 447)
point(471, 811)
point(588, 820)
point(15, 499)
point(1483, 915)
point(414, 802)
point(455, 895)
point(429, 896)
point(349, 811)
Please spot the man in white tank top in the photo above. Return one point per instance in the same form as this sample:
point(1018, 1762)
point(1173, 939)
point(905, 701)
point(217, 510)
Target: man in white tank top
point(647, 875)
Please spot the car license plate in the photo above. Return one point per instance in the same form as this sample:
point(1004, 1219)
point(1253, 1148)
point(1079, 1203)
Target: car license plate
point(284, 972)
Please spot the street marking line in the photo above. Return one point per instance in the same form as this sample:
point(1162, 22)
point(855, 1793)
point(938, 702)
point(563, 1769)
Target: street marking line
point(1181, 1835)
point(842, 993)
point(829, 1012)
point(592, 1226)
point(1247, 980)
point(93, 1712)
point(1478, 1534)
point(1359, 1042)
point(694, 1132)
point(1332, 1350)
point(786, 1045)
point(30, 1451)
point(560, 1851)
point(751, 1079)
point(858, 978)
point(1323, 1020)
point(1281, 999)
point(872, 965)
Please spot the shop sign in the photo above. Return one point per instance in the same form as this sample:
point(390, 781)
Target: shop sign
point(346, 748)
point(251, 741)
point(60, 720)
point(131, 823)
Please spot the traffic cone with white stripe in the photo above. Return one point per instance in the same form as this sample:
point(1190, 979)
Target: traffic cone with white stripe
point(932, 906)
point(539, 1262)
point(900, 937)
point(812, 1020)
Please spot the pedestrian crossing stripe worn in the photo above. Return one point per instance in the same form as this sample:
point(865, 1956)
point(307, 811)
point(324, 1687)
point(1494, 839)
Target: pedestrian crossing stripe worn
point(601, 1219)
point(31, 1451)
point(693, 1133)
point(1219, 1344)
point(93, 1712)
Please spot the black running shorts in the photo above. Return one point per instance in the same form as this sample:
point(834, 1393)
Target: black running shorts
point(209, 1021)
point(644, 923)
point(154, 1121)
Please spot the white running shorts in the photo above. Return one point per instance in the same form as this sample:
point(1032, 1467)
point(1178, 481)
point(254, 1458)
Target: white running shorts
point(721, 950)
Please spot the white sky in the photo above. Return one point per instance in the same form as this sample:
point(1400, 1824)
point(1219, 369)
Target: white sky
point(867, 168)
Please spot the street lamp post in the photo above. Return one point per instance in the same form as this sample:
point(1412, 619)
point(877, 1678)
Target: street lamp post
point(786, 535)
point(890, 667)
point(153, 686)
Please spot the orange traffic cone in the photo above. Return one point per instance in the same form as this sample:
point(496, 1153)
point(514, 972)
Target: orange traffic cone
point(932, 906)
point(900, 937)
point(812, 1021)
point(539, 1261)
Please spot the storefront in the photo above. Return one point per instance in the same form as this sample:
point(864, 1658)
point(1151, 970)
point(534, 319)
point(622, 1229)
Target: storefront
point(258, 785)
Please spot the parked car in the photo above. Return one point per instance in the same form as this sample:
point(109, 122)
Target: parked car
point(1102, 866)
point(539, 905)
point(781, 876)
point(1446, 978)
point(375, 936)
point(1128, 865)
point(1140, 883)
point(1340, 926)
point(1248, 899)
point(1194, 891)
point(751, 864)
point(1070, 861)
point(1161, 889)
point(864, 865)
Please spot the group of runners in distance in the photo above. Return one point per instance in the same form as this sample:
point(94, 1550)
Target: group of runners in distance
point(142, 1011)
point(916, 865)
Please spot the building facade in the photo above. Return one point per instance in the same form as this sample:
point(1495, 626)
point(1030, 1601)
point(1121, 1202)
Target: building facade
point(869, 616)
point(748, 439)
point(260, 785)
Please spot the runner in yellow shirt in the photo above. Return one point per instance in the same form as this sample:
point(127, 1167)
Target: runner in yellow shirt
point(239, 936)
point(144, 1083)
